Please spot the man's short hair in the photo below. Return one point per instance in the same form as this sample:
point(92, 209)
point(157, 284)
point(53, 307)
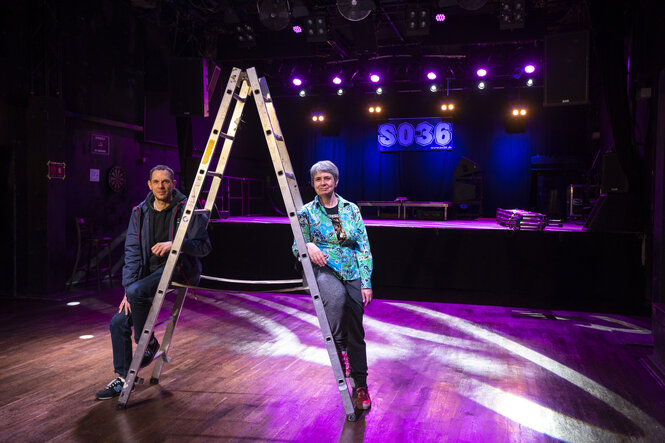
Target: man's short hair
point(324, 166)
point(162, 168)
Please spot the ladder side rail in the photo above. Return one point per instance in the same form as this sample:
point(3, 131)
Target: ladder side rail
point(168, 335)
point(291, 205)
point(174, 254)
point(228, 144)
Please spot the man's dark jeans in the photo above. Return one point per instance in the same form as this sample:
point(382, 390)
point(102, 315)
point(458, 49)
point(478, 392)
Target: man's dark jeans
point(140, 295)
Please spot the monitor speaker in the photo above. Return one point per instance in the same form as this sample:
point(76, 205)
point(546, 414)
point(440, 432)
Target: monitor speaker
point(567, 68)
point(465, 168)
point(188, 87)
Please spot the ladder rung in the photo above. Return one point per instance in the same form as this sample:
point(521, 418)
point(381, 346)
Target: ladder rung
point(240, 99)
point(166, 320)
point(201, 211)
point(214, 174)
point(226, 136)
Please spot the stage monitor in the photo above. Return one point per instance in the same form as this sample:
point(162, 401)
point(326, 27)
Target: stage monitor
point(415, 134)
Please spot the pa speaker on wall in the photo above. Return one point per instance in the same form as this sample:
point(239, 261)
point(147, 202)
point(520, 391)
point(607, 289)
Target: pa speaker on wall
point(567, 68)
point(612, 178)
point(188, 87)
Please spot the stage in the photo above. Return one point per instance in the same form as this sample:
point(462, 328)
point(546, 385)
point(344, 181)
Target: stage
point(252, 367)
point(459, 261)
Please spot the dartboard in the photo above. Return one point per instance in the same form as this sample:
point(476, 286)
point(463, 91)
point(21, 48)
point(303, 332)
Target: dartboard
point(116, 178)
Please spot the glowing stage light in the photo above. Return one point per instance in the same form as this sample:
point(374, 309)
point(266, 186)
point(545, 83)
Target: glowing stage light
point(522, 111)
point(529, 69)
point(315, 118)
point(296, 81)
point(529, 82)
point(440, 17)
point(378, 109)
point(444, 107)
point(451, 107)
point(516, 112)
point(340, 91)
point(431, 75)
point(433, 88)
point(379, 90)
point(371, 109)
point(321, 118)
point(447, 107)
point(374, 78)
point(297, 29)
point(337, 80)
point(302, 93)
point(73, 303)
point(482, 72)
point(481, 85)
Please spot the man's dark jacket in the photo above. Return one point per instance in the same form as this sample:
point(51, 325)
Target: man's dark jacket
point(137, 244)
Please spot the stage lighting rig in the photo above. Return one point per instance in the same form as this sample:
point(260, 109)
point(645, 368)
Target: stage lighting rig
point(318, 116)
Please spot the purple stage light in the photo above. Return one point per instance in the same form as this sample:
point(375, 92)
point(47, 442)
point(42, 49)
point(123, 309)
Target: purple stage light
point(440, 17)
point(297, 81)
point(529, 69)
point(482, 72)
point(337, 80)
point(374, 78)
point(297, 29)
point(431, 75)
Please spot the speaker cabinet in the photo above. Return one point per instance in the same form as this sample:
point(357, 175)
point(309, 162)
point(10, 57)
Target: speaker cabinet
point(567, 69)
point(612, 178)
point(188, 87)
point(610, 213)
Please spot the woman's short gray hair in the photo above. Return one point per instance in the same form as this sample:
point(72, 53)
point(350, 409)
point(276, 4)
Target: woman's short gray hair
point(324, 166)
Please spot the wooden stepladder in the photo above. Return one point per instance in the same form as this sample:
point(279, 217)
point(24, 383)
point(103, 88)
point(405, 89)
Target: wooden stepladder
point(241, 84)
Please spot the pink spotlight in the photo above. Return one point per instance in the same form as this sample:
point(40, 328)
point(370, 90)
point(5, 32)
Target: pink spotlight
point(529, 69)
point(431, 75)
point(337, 80)
point(297, 29)
point(482, 72)
point(297, 81)
point(374, 78)
point(440, 17)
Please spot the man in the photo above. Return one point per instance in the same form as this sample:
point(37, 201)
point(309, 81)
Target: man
point(338, 246)
point(152, 228)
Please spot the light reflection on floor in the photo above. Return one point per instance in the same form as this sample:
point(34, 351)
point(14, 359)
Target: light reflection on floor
point(470, 352)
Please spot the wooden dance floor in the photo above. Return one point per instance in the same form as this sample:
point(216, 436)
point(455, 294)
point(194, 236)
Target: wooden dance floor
point(252, 367)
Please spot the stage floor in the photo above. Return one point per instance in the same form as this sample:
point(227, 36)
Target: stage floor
point(482, 223)
point(252, 367)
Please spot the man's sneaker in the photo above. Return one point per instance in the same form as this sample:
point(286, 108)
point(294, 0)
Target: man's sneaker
point(362, 399)
point(111, 390)
point(344, 361)
point(150, 352)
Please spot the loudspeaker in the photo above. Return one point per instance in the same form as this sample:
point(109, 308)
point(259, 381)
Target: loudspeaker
point(612, 178)
point(610, 213)
point(567, 69)
point(188, 87)
point(465, 168)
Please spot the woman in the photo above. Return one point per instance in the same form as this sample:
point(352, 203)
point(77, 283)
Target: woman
point(338, 247)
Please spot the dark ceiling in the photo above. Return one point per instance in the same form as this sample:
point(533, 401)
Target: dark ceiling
point(471, 34)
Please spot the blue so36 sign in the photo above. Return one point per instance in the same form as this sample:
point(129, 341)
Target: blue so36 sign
point(423, 134)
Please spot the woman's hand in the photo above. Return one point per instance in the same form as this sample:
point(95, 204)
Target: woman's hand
point(367, 295)
point(124, 304)
point(315, 254)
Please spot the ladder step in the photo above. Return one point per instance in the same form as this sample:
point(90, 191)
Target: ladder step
point(226, 136)
point(213, 174)
point(240, 99)
point(201, 211)
point(166, 320)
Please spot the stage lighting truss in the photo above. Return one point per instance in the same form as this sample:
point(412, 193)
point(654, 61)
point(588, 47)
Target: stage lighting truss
point(318, 116)
point(511, 14)
point(245, 36)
